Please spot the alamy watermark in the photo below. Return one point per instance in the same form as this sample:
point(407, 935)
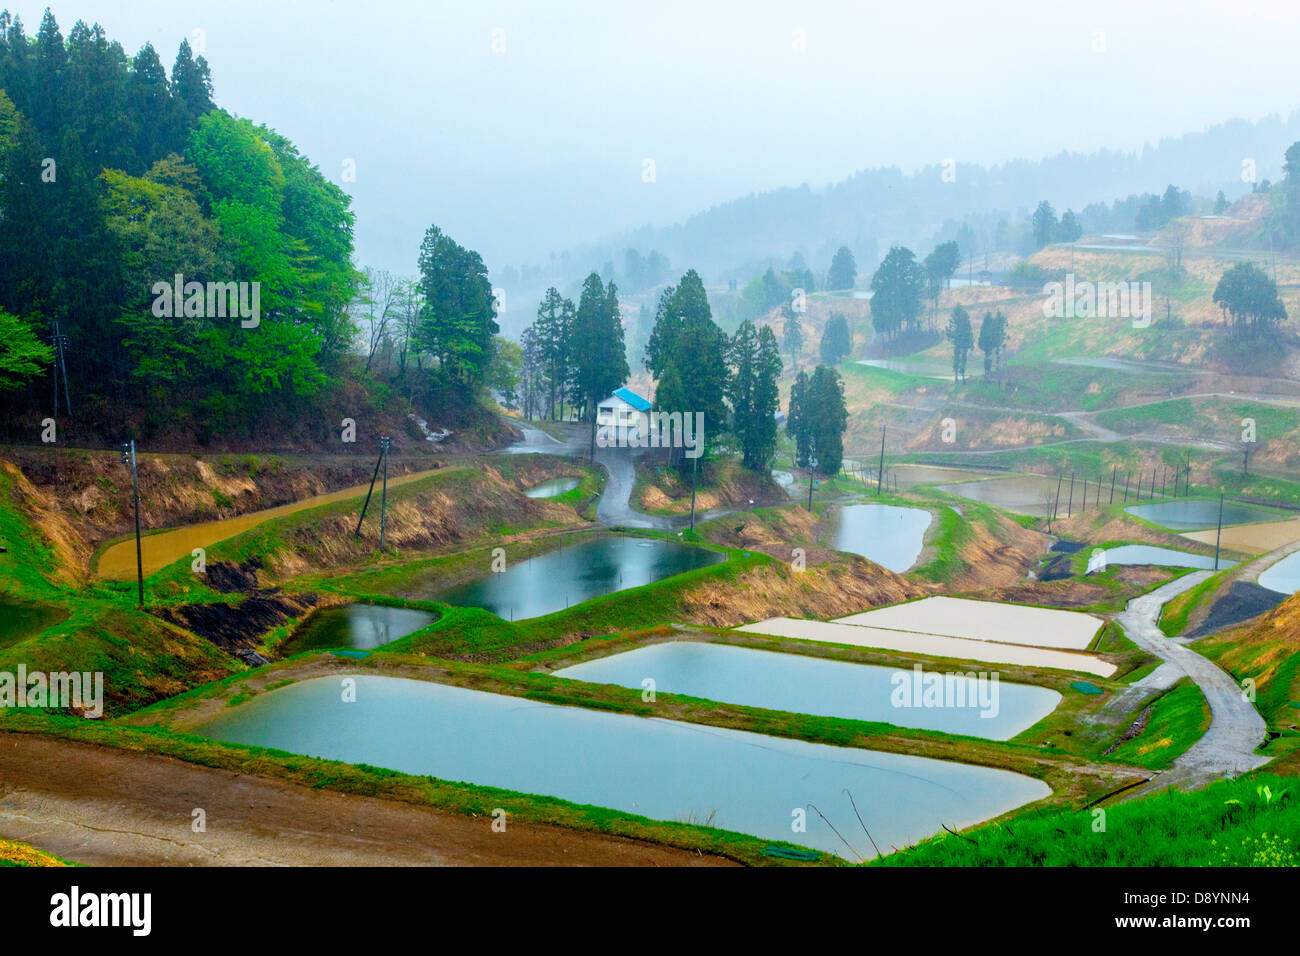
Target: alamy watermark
point(79, 691)
point(1100, 300)
point(213, 300)
point(638, 429)
point(919, 689)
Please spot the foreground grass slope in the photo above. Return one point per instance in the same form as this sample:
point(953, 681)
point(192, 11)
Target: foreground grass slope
point(1251, 821)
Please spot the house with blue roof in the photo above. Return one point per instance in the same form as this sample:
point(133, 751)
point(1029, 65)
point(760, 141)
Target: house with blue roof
point(619, 418)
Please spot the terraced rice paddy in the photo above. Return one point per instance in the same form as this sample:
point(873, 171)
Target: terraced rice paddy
point(966, 630)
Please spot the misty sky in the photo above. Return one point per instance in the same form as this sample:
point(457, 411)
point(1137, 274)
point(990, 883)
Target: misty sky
point(541, 146)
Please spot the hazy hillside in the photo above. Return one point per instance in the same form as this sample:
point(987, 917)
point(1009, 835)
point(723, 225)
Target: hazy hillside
point(877, 207)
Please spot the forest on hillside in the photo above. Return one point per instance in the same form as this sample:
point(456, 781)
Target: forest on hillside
point(196, 268)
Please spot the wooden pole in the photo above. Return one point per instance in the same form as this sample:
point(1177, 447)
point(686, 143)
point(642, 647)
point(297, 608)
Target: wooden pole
point(1219, 533)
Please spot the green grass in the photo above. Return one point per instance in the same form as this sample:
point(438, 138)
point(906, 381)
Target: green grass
point(1179, 718)
point(1176, 613)
point(882, 378)
point(20, 620)
point(1230, 823)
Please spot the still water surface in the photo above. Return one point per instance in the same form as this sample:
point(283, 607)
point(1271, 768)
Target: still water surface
point(662, 769)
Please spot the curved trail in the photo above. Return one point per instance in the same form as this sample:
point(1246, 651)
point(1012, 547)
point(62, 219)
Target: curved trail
point(1227, 749)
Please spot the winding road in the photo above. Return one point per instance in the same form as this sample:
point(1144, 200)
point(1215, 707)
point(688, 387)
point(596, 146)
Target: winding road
point(1228, 748)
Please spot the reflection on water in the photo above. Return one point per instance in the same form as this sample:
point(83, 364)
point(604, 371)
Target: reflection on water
point(1165, 557)
point(661, 769)
point(360, 626)
point(1023, 494)
point(926, 368)
point(552, 488)
point(1284, 576)
point(810, 685)
point(551, 582)
point(1187, 514)
point(19, 620)
point(117, 563)
point(887, 534)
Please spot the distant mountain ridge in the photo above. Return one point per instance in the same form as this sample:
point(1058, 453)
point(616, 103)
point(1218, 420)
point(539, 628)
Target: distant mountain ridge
point(874, 208)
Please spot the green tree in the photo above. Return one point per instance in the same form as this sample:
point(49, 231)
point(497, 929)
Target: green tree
point(827, 418)
point(843, 271)
point(505, 370)
point(458, 319)
point(796, 420)
point(1249, 300)
point(1044, 224)
point(23, 355)
point(554, 329)
point(837, 340)
point(959, 334)
point(1069, 229)
point(939, 267)
point(686, 337)
point(752, 389)
point(599, 355)
point(992, 338)
point(897, 287)
point(792, 335)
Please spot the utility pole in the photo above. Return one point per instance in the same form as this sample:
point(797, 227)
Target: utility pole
point(1056, 505)
point(384, 442)
point(1219, 533)
point(880, 480)
point(1114, 471)
point(1069, 508)
point(373, 478)
point(695, 463)
point(811, 481)
point(128, 457)
point(58, 340)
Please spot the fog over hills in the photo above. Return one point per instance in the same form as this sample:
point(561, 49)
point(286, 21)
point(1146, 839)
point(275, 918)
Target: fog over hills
point(875, 208)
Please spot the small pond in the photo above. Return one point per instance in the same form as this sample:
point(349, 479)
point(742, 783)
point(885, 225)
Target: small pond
point(812, 685)
point(661, 769)
point(360, 626)
point(887, 534)
point(558, 579)
point(1284, 576)
point(553, 488)
point(1165, 557)
point(1190, 514)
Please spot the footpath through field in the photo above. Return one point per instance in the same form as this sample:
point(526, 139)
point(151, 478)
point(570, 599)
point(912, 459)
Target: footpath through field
point(1228, 748)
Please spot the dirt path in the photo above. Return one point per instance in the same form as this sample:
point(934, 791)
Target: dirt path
point(118, 561)
point(1228, 748)
point(109, 807)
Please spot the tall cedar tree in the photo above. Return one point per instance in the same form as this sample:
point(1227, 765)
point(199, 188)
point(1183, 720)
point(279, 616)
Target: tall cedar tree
point(796, 420)
point(686, 337)
point(843, 271)
point(993, 336)
point(826, 418)
point(554, 329)
point(962, 338)
point(897, 286)
point(458, 320)
point(752, 389)
point(596, 344)
point(837, 340)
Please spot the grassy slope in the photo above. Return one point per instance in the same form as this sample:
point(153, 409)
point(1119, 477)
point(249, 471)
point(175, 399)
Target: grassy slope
point(1267, 652)
point(1231, 823)
point(1179, 718)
